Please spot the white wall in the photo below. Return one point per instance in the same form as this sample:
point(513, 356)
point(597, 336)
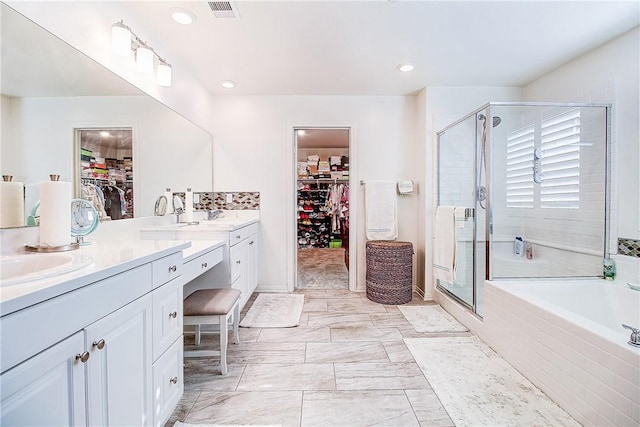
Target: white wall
point(169, 151)
point(608, 74)
point(445, 105)
point(253, 151)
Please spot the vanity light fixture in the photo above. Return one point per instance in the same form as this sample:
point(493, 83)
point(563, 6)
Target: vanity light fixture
point(405, 68)
point(125, 42)
point(228, 84)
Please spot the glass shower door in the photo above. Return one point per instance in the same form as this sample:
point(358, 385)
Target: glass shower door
point(456, 185)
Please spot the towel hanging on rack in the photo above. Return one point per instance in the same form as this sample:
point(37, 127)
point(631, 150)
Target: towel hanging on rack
point(381, 210)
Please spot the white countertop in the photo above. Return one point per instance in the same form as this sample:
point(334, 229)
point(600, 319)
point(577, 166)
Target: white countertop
point(199, 247)
point(109, 258)
point(222, 224)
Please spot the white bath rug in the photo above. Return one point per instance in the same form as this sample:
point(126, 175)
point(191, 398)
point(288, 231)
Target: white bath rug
point(179, 424)
point(478, 387)
point(431, 318)
point(274, 311)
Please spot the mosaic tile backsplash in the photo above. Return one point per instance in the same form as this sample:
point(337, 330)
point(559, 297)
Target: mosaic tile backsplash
point(629, 247)
point(242, 200)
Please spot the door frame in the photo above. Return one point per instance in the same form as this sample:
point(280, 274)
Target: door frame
point(292, 240)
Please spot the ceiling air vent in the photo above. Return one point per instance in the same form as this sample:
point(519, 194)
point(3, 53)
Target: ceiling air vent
point(224, 9)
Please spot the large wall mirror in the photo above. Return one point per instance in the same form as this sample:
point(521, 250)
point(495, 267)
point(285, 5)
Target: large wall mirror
point(49, 90)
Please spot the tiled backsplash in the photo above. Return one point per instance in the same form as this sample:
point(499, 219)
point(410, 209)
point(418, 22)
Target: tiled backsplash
point(629, 247)
point(242, 200)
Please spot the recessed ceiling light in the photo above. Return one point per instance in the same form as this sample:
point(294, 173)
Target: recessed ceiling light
point(405, 68)
point(183, 16)
point(228, 84)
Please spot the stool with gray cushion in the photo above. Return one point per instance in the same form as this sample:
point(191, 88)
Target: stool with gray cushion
point(211, 307)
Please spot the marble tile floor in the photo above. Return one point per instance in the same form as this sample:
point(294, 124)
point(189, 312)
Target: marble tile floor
point(322, 268)
point(346, 365)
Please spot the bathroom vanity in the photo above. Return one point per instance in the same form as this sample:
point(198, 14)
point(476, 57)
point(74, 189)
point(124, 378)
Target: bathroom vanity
point(101, 345)
point(239, 266)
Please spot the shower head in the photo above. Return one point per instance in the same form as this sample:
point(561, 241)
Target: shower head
point(496, 119)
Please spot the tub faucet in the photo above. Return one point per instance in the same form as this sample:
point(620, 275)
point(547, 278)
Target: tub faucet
point(213, 214)
point(634, 340)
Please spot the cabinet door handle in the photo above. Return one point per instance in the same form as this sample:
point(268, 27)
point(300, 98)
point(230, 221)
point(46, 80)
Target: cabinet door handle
point(99, 344)
point(174, 380)
point(204, 265)
point(251, 242)
point(173, 268)
point(238, 262)
point(83, 357)
point(173, 315)
point(237, 236)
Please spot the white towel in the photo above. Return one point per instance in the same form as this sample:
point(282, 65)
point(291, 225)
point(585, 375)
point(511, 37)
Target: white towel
point(381, 210)
point(445, 244)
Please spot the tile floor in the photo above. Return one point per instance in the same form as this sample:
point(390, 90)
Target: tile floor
point(322, 268)
point(345, 365)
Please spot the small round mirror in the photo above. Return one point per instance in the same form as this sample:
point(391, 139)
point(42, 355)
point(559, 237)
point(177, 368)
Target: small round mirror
point(161, 206)
point(177, 204)
point(84, 217)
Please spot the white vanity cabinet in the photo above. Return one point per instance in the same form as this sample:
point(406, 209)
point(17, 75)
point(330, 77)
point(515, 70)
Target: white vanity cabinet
point(86, 357)
point(239, 266)
point(51, 376)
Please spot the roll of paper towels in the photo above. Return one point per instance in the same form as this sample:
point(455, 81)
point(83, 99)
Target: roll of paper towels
point(188, 205)
point(55, 213)
point(11, 204)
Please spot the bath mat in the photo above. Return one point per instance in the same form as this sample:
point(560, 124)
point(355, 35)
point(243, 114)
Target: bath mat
point(179, 424)
point(431, 318)
point(477, 387)
point(274, 311)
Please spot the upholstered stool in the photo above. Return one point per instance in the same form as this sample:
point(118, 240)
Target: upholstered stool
point(389, 271)
point(211, 307)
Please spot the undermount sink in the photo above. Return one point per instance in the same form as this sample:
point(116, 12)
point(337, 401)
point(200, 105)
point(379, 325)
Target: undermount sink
point(17, 269)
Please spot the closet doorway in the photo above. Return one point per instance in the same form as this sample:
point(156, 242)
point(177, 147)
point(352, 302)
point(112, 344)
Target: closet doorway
point(322, 208)
point(104, 159)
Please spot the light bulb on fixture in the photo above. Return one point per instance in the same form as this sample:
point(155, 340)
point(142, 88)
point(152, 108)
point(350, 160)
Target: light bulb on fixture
point(124, 41)
point(163, 74)
point(121, 39)
point(144, 59)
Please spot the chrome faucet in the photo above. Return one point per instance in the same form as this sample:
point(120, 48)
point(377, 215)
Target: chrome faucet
point(213, 214)
point(178, 212)
point(634, 340)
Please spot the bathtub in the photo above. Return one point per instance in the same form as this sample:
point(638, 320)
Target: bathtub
point(566, 337)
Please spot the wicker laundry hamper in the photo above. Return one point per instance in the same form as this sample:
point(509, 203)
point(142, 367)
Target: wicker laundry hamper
point(389, 271)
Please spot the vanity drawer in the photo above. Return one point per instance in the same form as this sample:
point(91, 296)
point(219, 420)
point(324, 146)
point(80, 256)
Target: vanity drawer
point(166, 268)
point(204, 262)
point(167, 316)
point(237, 236)
point(168, 383)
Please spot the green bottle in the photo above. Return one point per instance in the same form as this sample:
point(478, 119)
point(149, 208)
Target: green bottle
point(609, 269)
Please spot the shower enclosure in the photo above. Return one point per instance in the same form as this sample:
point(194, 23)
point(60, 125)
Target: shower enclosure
point(534, 180)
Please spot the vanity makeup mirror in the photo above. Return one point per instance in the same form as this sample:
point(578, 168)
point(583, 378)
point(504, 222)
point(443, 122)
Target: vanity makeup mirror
point(49, 90)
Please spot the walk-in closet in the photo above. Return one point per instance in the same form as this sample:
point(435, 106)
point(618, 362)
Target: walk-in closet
point(322, 208)
point(106, 171)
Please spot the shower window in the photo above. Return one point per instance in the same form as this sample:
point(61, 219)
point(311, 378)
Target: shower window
point(560, 163)
point(520, 146)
